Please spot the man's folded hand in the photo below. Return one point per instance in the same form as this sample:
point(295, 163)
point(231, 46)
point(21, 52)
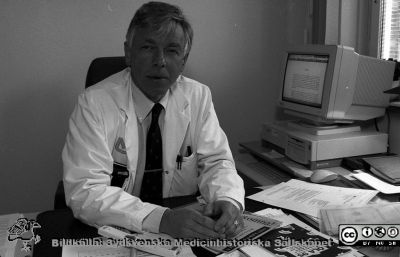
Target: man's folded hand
point(227, 216)
point(188, 223)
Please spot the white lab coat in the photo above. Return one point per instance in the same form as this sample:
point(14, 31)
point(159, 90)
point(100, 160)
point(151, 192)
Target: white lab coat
point(190, 120)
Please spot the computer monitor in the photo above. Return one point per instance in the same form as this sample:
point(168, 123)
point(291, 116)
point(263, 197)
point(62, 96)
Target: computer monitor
point(328, 84)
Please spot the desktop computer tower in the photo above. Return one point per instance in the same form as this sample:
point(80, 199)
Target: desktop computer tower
point(321, 151)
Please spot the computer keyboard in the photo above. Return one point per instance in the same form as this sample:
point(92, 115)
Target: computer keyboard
point(263, 173)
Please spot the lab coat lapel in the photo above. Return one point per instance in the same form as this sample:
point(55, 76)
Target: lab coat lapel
point(131, 130)
point(177, 118)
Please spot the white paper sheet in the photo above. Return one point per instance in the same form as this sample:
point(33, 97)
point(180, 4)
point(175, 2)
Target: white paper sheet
point(287, 219)
point(309, 198)
point(331, 218)
point(97, 251)
point(235, 253)
point(104, 250)
point(376, 183)
point(108, 251)
point(256, 251)
point(254, 226)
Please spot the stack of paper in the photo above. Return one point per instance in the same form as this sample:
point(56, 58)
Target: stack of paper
point(112, 251)
point(331, 218)
point(309, 198)
point(96, 251)
point(254, 227)
point(295, 241)
point(385, 167)
point(289, 240)
point(376, 183)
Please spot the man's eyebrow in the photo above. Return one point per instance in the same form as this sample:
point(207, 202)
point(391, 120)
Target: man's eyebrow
point(149, 40)
point(170, 44)
point(174, 44)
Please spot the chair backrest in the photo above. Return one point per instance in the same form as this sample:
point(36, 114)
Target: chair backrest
point(103, 67)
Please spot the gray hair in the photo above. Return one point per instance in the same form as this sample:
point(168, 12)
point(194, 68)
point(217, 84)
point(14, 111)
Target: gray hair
point(163, 18)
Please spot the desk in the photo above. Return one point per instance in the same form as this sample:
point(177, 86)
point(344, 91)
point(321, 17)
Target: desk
point(273, 171)
point(257, 170)
point(60, 224)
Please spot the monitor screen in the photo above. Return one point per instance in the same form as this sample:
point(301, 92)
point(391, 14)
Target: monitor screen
point(333, 84)
point(304, 78)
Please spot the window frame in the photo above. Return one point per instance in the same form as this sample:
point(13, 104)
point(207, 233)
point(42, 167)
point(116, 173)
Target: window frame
point(353, 23)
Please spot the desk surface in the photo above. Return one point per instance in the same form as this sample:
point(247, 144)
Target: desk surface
point(258, 169)
point(60, 224)
point(280, 172)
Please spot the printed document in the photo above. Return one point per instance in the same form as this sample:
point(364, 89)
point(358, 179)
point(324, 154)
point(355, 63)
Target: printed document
point(376, 183)
point(112, 251)
point(332, 217)
point(254, 226)
point(96, 251)
point(309, 198)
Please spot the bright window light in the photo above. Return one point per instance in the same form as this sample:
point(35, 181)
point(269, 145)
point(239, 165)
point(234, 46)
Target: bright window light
point(389, 31)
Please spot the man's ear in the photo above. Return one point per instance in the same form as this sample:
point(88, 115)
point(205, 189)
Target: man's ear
point(184, 62)
point(127, 51)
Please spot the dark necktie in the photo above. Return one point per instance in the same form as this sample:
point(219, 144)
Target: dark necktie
point(151, 190)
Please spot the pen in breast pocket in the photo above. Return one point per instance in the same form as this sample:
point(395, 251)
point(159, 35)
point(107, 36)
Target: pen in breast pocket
point(179, 161)
point(189, 151)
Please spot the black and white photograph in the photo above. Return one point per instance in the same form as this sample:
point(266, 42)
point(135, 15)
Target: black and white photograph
point(164, 128)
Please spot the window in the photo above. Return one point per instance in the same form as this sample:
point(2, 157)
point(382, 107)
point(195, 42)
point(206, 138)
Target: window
point(389, 29)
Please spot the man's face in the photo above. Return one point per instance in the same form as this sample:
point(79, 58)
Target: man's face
point(156, 61)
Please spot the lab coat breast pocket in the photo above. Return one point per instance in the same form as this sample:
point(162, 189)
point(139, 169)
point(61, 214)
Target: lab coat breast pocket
point(186, 176)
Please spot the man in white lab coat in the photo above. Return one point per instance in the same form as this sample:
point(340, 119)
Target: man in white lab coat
point(109, 126)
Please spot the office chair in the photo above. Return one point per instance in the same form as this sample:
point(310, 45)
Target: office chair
point(103, 67)
point(99, 69)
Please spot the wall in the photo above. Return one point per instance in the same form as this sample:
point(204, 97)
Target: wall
point(348, 22)
point(48, 45)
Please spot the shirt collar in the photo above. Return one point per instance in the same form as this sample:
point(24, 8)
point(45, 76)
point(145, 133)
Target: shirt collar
point(143, 105)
